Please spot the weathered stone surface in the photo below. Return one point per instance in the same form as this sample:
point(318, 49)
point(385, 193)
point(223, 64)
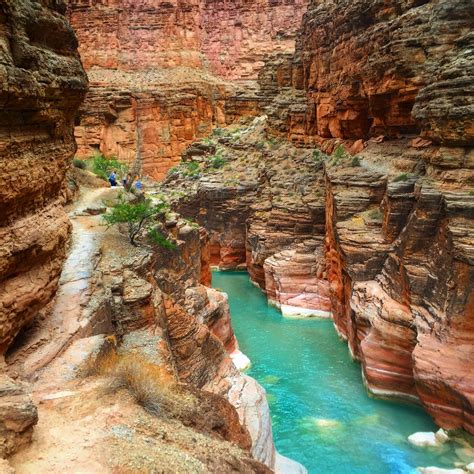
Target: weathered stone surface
point(18, 415)
point(239, 36)
point(400, 267)
point(418, 79)
point(267, 197)
point(156, 70)
point(42, 85)
point(295, 281)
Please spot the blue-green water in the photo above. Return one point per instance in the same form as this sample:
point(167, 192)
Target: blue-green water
point(321, 413)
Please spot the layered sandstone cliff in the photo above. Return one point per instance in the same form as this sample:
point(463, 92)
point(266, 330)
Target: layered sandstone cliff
point(390, 82)
point(42, 86)
point(157, 70)
point(399, 227)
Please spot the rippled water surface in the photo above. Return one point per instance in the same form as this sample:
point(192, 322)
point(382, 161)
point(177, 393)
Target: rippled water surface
point(322, 416)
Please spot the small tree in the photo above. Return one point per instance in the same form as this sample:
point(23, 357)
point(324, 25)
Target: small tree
point(136, 216)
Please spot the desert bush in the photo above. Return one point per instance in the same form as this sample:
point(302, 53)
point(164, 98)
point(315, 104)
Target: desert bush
point(375, 214)
point(217, 161)
point(173, 171)
point(192, 169)
point(102, 166)
point(149, 384)
point(339, 155)
point(158, 238)
point(81, 164)
point(137, 216)
point(355, 162)
point(318, 156)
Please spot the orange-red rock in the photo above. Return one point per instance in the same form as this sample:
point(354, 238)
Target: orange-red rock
point(42, 86)
point(156, 70)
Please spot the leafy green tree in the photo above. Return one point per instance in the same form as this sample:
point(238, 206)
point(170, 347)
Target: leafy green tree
point(137, 216)
point(102, 166)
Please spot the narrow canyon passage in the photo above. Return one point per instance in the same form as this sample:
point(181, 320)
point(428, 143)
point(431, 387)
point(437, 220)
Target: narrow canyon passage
point(317, 156)
point(321, 413)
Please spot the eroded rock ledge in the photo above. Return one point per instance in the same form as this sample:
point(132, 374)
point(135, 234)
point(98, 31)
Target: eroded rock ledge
point(160, 72)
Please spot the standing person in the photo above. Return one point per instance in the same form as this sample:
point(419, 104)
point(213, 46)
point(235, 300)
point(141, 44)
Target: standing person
point(124, 180)
point(113, 178)
point(139, 184)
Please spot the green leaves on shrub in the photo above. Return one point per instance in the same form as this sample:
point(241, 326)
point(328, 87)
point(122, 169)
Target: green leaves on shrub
point(159, 239)
point(137, 216)
point(355, 162)
point(81, 164)
point(102, 166)
point(192, 169)
point(217, 161)
point(401, 177)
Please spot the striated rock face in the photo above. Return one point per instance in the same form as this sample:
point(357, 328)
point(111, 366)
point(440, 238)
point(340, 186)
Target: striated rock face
point(239, 36)
point(399, 228)
point(418, 78)
point(400, 266)
point(42, 86)
point(295, 280)
point(399, 219)
point(18, 415)
point(157, 69)
point(269, 196)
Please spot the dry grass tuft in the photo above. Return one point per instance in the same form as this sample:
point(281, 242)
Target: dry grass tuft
point(149, 384)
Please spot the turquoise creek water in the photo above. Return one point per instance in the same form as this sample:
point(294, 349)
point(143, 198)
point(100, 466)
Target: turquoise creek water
point(321, 413)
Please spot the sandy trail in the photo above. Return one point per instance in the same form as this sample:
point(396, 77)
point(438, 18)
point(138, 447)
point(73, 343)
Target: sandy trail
point(67, 319)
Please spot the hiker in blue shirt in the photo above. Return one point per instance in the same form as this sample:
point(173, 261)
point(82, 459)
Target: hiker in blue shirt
point(113, 179)
point(139, 184)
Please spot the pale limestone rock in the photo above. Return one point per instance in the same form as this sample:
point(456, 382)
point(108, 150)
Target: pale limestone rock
point(424, 439)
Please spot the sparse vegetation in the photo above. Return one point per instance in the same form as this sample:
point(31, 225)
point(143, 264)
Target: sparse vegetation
point(192, 169)
point(217, 161)
point(355, 162)
point(318, 156)
point(173, 171)
point(158, 238)
point(149, 384)
point(401, 177)
point(137, 216)
point(81, 164)
point(102, 166)
point(375, 215)
point(339, 155)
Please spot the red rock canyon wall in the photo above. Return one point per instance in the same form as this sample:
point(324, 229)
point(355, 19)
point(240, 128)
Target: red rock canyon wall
point(159, 68)
point(43, 84)
point(399, 228)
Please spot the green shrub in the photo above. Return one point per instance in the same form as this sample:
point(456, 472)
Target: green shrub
point(136, 216)
point(401, 177)
point(375, 214)
point(260, 146)
point(102, 166)
point(81, 164)
point(159, 239)
point(355, 162)
point(218, 132)
point(339, 155)
point(217, 161)
point(318, 156)
point(192, 168)
point(173, 171)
